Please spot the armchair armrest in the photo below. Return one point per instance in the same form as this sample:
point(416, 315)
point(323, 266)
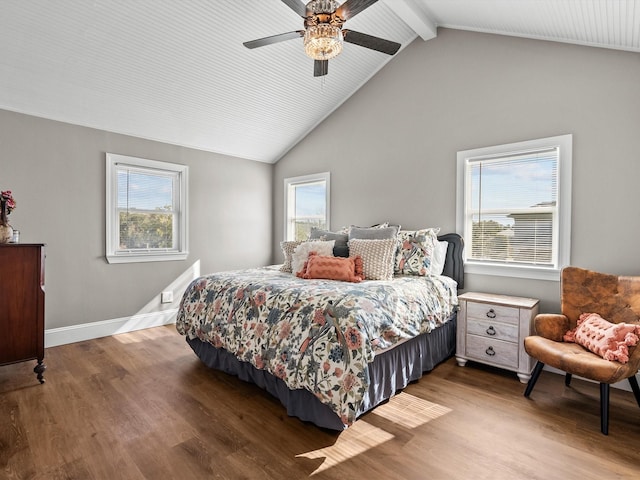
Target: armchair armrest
point(551, 325)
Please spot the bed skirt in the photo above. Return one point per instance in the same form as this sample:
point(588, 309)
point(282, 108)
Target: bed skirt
point(389, 372)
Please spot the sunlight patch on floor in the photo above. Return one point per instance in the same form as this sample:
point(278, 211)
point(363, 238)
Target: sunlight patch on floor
point(137, 336)
point(357, 439)
point(403, 409)
point(410, 411)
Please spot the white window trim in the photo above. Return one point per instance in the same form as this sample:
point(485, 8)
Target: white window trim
point(564, 143)
point(115, 256)
point(316, 177)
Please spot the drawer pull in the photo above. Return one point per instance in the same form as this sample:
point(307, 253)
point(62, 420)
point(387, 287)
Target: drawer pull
point(490, 351)
point(491, 313)
point(491, 331)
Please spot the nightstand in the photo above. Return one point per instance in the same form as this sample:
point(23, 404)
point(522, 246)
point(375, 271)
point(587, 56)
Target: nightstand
point(491, 330)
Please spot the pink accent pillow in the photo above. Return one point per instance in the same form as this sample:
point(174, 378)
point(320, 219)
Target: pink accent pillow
point(332, 268)
point(609, 340)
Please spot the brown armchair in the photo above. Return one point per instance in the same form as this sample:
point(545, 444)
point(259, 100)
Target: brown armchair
point(616, 299)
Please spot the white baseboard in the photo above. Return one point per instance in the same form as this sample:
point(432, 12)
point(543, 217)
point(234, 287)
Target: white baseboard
point(88, 331)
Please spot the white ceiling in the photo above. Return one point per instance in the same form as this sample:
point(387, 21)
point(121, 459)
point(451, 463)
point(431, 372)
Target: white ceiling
point(176, 71)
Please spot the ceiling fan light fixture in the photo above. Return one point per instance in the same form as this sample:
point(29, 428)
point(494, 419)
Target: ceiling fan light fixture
point(323, 37)
point(322, 42)
point(322, 6)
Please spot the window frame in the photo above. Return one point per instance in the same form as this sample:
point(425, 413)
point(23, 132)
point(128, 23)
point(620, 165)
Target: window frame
point(181, 173)
point(561, 226)
point(302, 180)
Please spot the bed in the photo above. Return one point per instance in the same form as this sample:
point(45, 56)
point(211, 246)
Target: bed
point(329, 351)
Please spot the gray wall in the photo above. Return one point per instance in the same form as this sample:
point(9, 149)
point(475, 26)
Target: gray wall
point(57, 174)
point(392, 146)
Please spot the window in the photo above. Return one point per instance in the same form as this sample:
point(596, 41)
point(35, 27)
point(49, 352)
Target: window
point(146, 210)
point(514, 208)
point(306, 205)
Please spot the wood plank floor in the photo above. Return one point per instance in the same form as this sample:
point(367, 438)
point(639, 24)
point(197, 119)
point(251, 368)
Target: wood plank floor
point(142, 406)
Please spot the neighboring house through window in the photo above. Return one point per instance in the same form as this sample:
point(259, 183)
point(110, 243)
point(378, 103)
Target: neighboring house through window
point(514, 208)
point(146, 210)
point(306, 205)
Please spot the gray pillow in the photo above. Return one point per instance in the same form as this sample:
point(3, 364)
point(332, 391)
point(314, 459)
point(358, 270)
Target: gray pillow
point(340, 248)
point(373, 233)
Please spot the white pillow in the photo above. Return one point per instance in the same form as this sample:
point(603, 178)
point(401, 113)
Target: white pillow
point(301, 252)
point(438, 259)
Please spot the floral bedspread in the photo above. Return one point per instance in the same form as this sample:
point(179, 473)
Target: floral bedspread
point(313, 334)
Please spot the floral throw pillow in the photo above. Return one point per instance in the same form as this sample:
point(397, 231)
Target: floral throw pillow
point(415, 251)
point(609, 340)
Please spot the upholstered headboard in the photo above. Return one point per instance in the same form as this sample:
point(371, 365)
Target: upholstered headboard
point(454, 264)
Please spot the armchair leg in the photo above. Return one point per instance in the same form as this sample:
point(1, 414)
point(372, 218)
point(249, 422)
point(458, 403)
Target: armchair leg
point(534, 378)
point(604, 408)
point(567, 379)
point(633, 381)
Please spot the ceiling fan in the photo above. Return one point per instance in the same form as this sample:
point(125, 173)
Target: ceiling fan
point(323, 34)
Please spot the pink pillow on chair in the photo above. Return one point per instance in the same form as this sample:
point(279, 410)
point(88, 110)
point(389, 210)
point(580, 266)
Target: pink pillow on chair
point(609, 340)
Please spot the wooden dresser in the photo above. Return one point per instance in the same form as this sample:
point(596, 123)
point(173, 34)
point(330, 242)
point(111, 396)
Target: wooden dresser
point(22, 304)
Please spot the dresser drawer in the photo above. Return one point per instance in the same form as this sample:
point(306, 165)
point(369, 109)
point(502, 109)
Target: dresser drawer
point(498, 313)
point(492, 329)
point(489, 350)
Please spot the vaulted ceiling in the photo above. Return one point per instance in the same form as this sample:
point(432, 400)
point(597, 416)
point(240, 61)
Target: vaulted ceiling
point(177, 71)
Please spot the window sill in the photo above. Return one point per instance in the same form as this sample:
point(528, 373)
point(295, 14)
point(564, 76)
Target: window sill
point(149, 257)
point(517, 271)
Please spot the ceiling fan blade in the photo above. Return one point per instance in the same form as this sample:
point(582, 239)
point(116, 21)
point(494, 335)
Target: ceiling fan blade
point(320, 67)
point(369, 41)
point(281, 37)
point(351, 8)
point(297, 6)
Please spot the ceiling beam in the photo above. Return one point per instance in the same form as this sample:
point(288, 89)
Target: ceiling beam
point(415, 17)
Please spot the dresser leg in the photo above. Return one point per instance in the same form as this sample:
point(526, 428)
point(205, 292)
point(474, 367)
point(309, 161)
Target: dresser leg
point(39, 370)
point(461, 361)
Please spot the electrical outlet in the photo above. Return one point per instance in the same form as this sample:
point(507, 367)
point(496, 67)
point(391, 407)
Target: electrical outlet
point(166, 297)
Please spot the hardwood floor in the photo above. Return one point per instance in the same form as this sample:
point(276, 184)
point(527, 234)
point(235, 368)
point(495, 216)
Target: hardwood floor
point(142, 406)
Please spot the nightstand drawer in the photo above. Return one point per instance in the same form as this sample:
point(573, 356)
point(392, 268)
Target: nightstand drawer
point(492, 312)
point(492, 351)
point(492, 329)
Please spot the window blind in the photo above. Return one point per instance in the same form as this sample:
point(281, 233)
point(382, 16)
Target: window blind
point(146, 209)
point(512, 207)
